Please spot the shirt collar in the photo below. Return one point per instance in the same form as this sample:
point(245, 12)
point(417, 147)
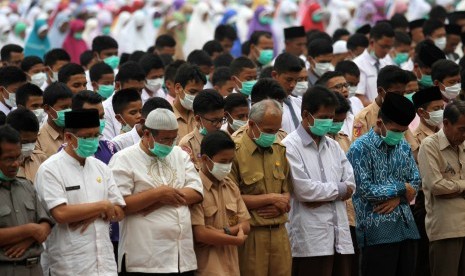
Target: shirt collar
point(207, 183)
point(371, 59)
point(307, 139)
point(444, 142)
point(376, 138)
point(426, 129)
point(51, 131)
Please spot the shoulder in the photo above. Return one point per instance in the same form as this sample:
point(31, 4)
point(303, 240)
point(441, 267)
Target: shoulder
point(430, 141)
point(129, 151)
point(25, 184)
point(185, 140)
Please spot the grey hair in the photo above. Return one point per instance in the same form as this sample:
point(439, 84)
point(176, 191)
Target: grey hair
point(268, 106)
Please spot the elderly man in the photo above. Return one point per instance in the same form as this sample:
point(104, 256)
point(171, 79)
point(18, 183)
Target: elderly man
point(158, 182)
point(261, 170)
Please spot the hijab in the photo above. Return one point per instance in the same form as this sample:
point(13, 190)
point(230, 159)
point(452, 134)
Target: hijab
point(74, 44)
point(36, 46)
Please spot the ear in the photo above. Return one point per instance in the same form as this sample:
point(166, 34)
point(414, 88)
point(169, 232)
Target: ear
point(436, 83)
point(274, 74)
point(422, 113)
point(177, 89)
point(96, 56)
point(117, 85)
point(197, 118)
point(94, 85)
point(204, 158)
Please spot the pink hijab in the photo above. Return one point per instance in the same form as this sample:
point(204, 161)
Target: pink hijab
point(74, 46)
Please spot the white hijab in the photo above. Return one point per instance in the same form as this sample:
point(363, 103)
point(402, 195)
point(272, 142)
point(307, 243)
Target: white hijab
point(282, 21)
point(198, 31)
point(132, 38)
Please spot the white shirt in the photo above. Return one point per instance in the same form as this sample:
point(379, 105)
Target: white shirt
point(368, 75)
point(127, 139)
point(348, 125)
point(288, 123)
point(154, 243)
point(145, 95)
point(356, 105)
point(89, 82)
point(408, 65)
point(112, 126)
point(5, 109)
point(62, 180)
point(319, 174)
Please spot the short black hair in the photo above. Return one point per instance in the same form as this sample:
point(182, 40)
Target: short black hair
point(189, 72)
point(83, 97)
point(245, 48)
point(103, 42)
point(70, 69)
point(223, 60)
point(199, 57)
point(454, 110)
point(319, 47)
point(86, 57)
point(55, 92)
point(164, 40)
point(124, 58)
point(29, 62)
point(239, 64)
point(431, 25)
point(172, 69)
point(315, 34)
point(317, 97)
point(399, 20)
point(136, 56)
point(130, 71)
point(2, 118)
point(10, 75)
point(221, 75)
point(444, 68)
point(411, 76)
point(338, 33)
point(323, 80)
point(22, 119)
point(286, 63)
point(266, 72)
point(5, 52)
point(255, 37)
point(98, 70)
point(267, 88)
point(347, 67)
point(212, 46)
point(225, 32)
point(215, 142)
point(401, 38)
point(380, 30)
point(343, 105)
point(54, 55)
point(235, 100)
point(357, 40)
point(150, 61)
point(208, 100)
point(123, 98)
point(391, 75)
point(167, 59)
point(154, 103)
point(9, 135)
point(25, 91)
point(438, 12)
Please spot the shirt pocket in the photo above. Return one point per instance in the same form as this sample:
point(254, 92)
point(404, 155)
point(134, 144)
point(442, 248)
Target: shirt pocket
point(209, 213)
point(5, 212)
point(231, 213)
point(31, 211)
point(278, 180)
point(252, 183)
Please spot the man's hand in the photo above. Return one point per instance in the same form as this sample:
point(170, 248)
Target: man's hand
point(172, 196)
point(119, 214)
point(83, 224)
point(281, 202)
point(41, 231)
point(348, 194)
point(241, 237)
point(388, 206)
point(108, 210)
point(451, 196)
point(18, 250)
point(269, 211)
point(410, 193)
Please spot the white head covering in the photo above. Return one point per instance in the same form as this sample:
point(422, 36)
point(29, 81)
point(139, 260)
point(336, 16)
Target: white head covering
point(282, 21)
point(161, 119)
point(340, 47)
point(198, 31)
point(135, 35)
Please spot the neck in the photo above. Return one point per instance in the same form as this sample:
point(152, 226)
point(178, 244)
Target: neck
point(69, 149)
point(139, 130)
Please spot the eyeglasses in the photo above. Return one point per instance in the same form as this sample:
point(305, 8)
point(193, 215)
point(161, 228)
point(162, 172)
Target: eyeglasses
point(340, 86)
point(216, 121)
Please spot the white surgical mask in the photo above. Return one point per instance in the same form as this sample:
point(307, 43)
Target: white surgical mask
point(323, 67)
point(27, 149)
point(54, 77)
point(220, 171)
point(154, 84)
point(352, 91)
point(39, 114)
point(452, 92)
point(11, 101)
point(440, 42)
point(435, 117)
point(188, 101)
point(38, 79)
point(300, 88)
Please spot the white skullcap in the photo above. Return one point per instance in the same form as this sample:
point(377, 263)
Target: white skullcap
point(340, 47)
point(161, 119)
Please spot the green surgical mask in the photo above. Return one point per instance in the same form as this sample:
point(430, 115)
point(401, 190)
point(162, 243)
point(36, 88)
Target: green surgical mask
point(336, 127)
point(86, 146)
point(106, 30)
point(102, 125)
point(392, 138)
point(410, 96)
point(247, 87)
point(78, 36)
point(265, 140)
point(113, 61)
point(157, 22)
point(60, 119)
point(266, 56)
point(5, 178)
point(105, 90)
point(320, 126)
point(317, 17)
point(161, 150)
point(400, 58)
point(426, 80)
point(266, 20)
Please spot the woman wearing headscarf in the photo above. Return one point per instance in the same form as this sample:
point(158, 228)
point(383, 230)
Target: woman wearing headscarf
point(285, 17)
point(59, 29)
point(74, 44)
point(261, 21)
point(200, 28)
point(90, 31)
point(5, 29)
point(120, 23)
point(37, 44)
point(313, 18)
point(365, 14)
point(135, 35)
point(18, 34)
point(230, 18)
point(105, 19)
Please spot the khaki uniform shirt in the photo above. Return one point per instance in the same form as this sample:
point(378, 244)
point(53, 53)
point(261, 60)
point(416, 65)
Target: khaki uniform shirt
point(20, 205)
point(31, 164)
point(442, 172)
point(191, 144)
point(279, 137)
point(260, 171)
point(222, 206)
point(185, 124)
point(48, 140)
point(366, 119)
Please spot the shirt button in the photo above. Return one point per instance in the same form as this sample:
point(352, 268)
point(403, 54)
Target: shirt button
point(17, 211)
point(254, 179)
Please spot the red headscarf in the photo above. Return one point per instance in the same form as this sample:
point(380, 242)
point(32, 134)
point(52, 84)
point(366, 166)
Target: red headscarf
point(308, 22)
point(75, 47)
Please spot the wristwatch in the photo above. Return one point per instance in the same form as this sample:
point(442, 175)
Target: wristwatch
point(227, 230)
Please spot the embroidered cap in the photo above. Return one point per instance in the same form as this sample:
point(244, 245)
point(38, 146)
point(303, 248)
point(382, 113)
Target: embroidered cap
point(161, 119)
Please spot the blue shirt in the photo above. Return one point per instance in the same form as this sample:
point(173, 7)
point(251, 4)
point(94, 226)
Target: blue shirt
point(381, 172)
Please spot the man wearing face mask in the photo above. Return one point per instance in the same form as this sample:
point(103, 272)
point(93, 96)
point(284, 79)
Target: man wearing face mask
point(11, 78)
point(209, 117)
point(261, 48)
point(34, 68)
point(426, 54)
point(440, 161)
point(387, 180)
point(236, 111)
point(154, 76)
point(446, 75)
point(261, 171)
point(25, 122)
point(31, 97)
point(302, 82)
point(244, 75)
point(189, 81)
point(53, 61)
point(435, 31)
point(221, 220)
point(319, 55)
point(158, 182)
point(323, 179)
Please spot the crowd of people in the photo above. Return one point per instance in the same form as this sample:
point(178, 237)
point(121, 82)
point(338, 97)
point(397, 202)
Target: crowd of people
point(232, 138)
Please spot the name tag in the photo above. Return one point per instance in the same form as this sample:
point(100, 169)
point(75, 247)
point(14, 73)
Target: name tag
point(72, 188)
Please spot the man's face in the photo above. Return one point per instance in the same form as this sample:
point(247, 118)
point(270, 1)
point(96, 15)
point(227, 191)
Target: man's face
point(382, 46)
point(205, 69)
point(448, 81)
point(12, 88)
point(192, 88)
point(452, 43)
point(324, 112)
point(238, 113)
point(431, 107)
point(107, 53)
point(10, 159)
point(56, 67)
point(340, 85)
point(15, 59)
point(326, 58)
point(417, 35)
point(38, 68)
point(247, 74)
point(28, 137)
point(171, 51)
point(226, 89)
point(164, 137)
point(411, 87)
point(72, 138)
point(34, 102)
point(396, 88)
point(403, 48)
point(455, 133)
point(211, 121)
point(227, 45)
point(131, 115)
point(287, 80)
point(264, 43)
point(352, 80)
point(77, 83)
point(392, 126)
point(156, 74)
point(271, 123)
point(61, 104)
point(296, 46)
point(357, 51)
point(438, 33)
point(106, 79)
point(339, 117)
